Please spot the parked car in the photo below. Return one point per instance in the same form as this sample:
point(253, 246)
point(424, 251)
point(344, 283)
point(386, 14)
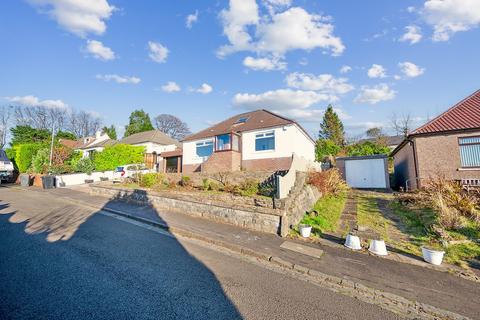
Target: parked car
point(6, 168)
point(130, 171)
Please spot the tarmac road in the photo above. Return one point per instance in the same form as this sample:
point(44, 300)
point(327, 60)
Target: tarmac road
point(61, 261)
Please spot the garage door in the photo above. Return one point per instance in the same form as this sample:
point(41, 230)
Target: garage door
point(368, 173)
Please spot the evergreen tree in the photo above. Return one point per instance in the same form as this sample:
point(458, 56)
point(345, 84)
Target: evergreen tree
point(332, 127)
point(139, 122)
point(110, 131)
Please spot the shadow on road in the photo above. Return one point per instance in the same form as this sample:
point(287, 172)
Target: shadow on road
point(103, 268)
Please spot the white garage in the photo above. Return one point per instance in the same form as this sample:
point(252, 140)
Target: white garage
point(365, 172)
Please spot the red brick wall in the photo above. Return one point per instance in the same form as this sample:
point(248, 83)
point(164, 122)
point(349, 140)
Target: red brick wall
point(189, 168)
point(267, 164)
point(224, 161)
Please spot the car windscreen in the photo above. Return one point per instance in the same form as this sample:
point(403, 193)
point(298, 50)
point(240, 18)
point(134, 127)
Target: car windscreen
point(3, 156)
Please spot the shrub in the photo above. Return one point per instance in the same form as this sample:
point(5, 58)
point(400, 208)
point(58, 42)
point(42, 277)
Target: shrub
point(249, 187)
point(328, 182)
point(231, 188)
point(117, 155)
point(325, 148)
point(149, 180)
point(40, 161)
point(85, 165)
point(367, 148)
point(186, 181)
point(206, 184)
point(60, 169)
point(74, 158)
point(24, 155)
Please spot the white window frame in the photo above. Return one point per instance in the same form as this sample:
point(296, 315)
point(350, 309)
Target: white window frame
point(262, 135)
point(204, 143)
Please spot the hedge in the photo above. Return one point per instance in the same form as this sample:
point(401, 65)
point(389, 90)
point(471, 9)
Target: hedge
point(118, 155)
point(25, 153)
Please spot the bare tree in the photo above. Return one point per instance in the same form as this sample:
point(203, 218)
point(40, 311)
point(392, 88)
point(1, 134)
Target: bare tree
point(402, 125)
point(83, 124)
point(5, 114)
point(172, 126)
point(40, 117)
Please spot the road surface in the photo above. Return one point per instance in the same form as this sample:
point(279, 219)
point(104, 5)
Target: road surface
point(62, 261)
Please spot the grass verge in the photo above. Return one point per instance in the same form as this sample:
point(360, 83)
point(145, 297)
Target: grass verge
point(329, 209)
point(370, 216)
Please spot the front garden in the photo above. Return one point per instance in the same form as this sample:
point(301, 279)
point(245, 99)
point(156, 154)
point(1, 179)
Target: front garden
point(441, 216)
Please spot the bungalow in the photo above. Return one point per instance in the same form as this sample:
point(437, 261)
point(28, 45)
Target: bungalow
point(155, 143)
point(447, 146)
point(89, 145)
point(257, 140)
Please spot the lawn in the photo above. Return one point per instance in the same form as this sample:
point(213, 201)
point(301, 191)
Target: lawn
point(370, 216)
point(416, 222)
point(329, 209)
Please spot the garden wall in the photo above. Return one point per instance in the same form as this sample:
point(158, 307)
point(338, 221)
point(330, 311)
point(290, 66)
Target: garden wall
point(73, 179)
point(250, 219)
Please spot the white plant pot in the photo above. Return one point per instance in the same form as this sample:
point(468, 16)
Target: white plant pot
point(432, 256)
point(305, 230)
point(378, 247)
point(353, 242)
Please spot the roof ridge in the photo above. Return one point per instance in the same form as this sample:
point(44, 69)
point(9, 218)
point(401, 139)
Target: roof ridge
point(446, 111)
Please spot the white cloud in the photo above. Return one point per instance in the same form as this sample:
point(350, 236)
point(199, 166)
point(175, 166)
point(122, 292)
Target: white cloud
point(117, 78)
point(345, 69)
point(282, 99)
point(297, 104)
point(412, 34)
point(376, 71)
point(411, 9)
point(448, 17)
point(191, 19)
point(375, 94)
point(33, 101)
point(277, 32)
point(410, 70)
point(157, 52)
point(170, 87)
point(80, 17)
point(265, 64)
point(99, 51)
point(303, 62)
point(324, 83)
point(205, 88)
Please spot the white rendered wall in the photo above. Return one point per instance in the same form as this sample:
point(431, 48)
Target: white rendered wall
point(288, 140)
point(190, 152)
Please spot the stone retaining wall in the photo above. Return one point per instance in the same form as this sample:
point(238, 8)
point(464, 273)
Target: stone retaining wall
point(250, 219)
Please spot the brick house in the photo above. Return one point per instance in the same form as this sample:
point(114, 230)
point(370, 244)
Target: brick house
point(447, 146)
point(257, 140)
point(156, 143)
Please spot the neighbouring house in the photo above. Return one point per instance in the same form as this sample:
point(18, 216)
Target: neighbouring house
point(447, 146)
point(89, 145)
point(155, 142)
point(391, 141)
point(257, 140)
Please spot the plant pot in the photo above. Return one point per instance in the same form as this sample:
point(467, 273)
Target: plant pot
point(305, 230)
point(353, 242)
point(25, 180)
point(432, 256)
point(378, 247)
point(48, 182)
point(87, 181)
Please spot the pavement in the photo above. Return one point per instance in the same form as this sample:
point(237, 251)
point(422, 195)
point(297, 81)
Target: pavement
point(415, 283)
point(60, 260)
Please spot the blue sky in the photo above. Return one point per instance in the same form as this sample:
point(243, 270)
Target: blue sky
point(369, 59)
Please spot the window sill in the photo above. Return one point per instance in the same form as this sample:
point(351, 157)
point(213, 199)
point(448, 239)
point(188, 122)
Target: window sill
point(265, 151)
point(469, 169)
